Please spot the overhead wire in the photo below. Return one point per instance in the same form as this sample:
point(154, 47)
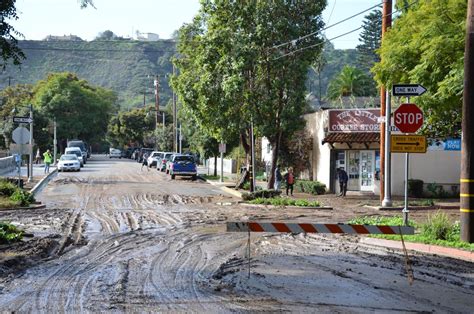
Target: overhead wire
point(345, 34)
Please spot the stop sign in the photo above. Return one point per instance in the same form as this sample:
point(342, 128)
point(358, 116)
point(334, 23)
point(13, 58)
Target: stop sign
point(408, 118)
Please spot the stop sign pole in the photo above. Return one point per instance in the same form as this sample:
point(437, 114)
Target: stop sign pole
point(408, 120)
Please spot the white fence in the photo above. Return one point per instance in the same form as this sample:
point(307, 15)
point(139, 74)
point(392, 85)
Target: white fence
point(230, 165)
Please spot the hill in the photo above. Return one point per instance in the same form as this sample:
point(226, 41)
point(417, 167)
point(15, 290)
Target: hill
point(127, 67)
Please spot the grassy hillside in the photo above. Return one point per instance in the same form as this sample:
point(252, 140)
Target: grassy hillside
point(126, 67)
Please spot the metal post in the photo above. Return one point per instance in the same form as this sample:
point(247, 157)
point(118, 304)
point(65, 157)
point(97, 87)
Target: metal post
point(222, 165)
point(387, 180)
point(55, 142)
point(407, 165)
point(386, 23)
point(252, 141)
point(180, 139)
point(30, 178)
point(164, 116)
point(156, 82)
point(467, 158)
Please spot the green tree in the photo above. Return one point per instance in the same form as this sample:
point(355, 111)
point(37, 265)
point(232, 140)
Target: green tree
point(106, 35)
point(164, 138)
point(230, 73)
point(350, 82)
point(81, 110)
point(426, 46)
point(370, 39)
point(130, 127)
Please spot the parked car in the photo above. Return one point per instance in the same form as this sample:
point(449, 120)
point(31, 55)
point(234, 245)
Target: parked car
point(75, 151)
point(153, 159)
point(182, 165)
point(69, 162)
point(143, 151)
point(115, 153)
point(82, 146)
point(165, 160)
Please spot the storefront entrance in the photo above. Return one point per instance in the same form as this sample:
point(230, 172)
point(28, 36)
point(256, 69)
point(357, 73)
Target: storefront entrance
point(360, 166)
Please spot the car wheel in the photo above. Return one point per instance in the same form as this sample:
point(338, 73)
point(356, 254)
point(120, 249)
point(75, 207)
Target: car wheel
point(78, 169)
point(194, 178)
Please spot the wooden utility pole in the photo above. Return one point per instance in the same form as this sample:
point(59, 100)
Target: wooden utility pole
point(157, 100)
point(467, 158)
point(386, 23)
point(175, 118)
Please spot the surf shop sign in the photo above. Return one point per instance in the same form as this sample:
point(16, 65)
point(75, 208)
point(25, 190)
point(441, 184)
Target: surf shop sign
point(354, 120)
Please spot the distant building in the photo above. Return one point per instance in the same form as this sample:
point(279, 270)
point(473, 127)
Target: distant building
point(63, 38)
point(146, 36)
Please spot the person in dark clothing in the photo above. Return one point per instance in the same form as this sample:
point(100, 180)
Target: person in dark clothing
point(343, 178)
point(278, 178)
point(290, 181)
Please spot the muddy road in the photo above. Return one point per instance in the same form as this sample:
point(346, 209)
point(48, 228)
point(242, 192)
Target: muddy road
point(115, 238)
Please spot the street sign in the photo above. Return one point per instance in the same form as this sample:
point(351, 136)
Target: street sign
point(408, 144)
point(22, 120)
point(408, 118)
point(21, 149)
point(408, 90)
point(21, 135)
point(222, 148)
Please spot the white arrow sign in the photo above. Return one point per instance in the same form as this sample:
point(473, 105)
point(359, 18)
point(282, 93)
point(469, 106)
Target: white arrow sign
point(22, 120)
point(408, 90)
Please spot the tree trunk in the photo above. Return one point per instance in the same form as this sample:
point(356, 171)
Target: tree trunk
point(215, 165)
point(275, 150)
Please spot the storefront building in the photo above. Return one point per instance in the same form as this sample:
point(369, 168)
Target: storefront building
point(350, 139)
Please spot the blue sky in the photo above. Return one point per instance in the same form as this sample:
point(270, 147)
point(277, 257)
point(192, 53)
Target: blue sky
point(39, 18)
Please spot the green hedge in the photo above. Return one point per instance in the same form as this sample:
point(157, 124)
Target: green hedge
point(280, 201)
point(415, 188)
point(260, 194)
point(312, 187)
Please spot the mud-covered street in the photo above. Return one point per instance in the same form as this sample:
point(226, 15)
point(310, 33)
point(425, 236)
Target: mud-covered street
point(113, 237)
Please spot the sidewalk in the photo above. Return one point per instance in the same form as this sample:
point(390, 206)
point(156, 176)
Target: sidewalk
point(38, 175)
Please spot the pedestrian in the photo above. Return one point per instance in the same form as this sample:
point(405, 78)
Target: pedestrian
point(343, 178)
point(290, 181)
point(145, 162)
point(38, 157)
point(47, 160)
point(278, 178)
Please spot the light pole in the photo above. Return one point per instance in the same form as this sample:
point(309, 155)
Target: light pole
point(55, 142)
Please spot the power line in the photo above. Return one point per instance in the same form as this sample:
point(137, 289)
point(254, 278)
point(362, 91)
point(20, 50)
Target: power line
point(294, 41)
point(347, 33)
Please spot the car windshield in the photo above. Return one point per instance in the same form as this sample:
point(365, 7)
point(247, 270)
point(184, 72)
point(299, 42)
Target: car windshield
point(155, 155)
point(75, 152)
point(68, 157)
point(184, 158)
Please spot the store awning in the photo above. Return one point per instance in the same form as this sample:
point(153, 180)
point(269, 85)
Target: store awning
point(350, 138)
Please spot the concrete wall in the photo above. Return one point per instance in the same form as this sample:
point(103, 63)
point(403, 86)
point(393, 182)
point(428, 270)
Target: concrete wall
point(436, 166)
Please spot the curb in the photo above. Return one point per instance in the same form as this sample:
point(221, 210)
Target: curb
point(224, 188)
point(23, 208)
point(435, 207)
point(423, 248)
point(288, 207)
point(43, 181)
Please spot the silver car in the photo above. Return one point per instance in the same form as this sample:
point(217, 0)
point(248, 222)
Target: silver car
point(69, 162)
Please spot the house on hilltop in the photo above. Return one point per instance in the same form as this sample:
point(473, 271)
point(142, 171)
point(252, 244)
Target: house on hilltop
point(69, 37)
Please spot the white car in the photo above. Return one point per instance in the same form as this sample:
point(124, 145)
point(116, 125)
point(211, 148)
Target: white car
point(69, 162)
point(115, 153)
point(75, 151)
point(154, 158)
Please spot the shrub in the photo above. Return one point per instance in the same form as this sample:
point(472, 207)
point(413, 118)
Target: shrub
point(280, 201)
point(313, 187)
point(9, 233)
point(415, 188)
point(437, 190)
point(260, 194)
point(7, 188)
point(438, 226)
point(23, 197)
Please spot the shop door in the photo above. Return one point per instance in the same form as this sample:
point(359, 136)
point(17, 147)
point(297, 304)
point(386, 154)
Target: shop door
point(367, 170)
point(353, 170)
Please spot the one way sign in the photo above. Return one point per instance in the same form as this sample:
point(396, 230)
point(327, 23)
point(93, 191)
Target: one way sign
point(408, 90)
point(22, 120)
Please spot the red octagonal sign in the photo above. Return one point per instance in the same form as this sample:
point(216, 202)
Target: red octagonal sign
point(408, 118)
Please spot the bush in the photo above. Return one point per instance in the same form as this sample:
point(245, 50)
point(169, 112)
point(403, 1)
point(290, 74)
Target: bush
point(9, 233)
point(438, 226)
point(7, 188)
point(415, 188)
point(313, 187)
point(260, 194)
point(23, 197)
point(280, 201)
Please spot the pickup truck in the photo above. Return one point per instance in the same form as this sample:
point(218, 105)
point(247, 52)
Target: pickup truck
point(182, 165)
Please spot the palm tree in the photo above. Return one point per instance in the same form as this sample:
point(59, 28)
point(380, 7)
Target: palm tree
point(350, 82)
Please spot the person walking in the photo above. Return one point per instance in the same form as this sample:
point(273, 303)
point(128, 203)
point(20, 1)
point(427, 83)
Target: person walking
point(47, 160)
point(290, 181)
point(343, 178)
point(278, 178)
point(38, 156)
point(145, 161)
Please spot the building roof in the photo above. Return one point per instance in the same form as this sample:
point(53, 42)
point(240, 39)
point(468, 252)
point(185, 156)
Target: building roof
point(350, 138)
